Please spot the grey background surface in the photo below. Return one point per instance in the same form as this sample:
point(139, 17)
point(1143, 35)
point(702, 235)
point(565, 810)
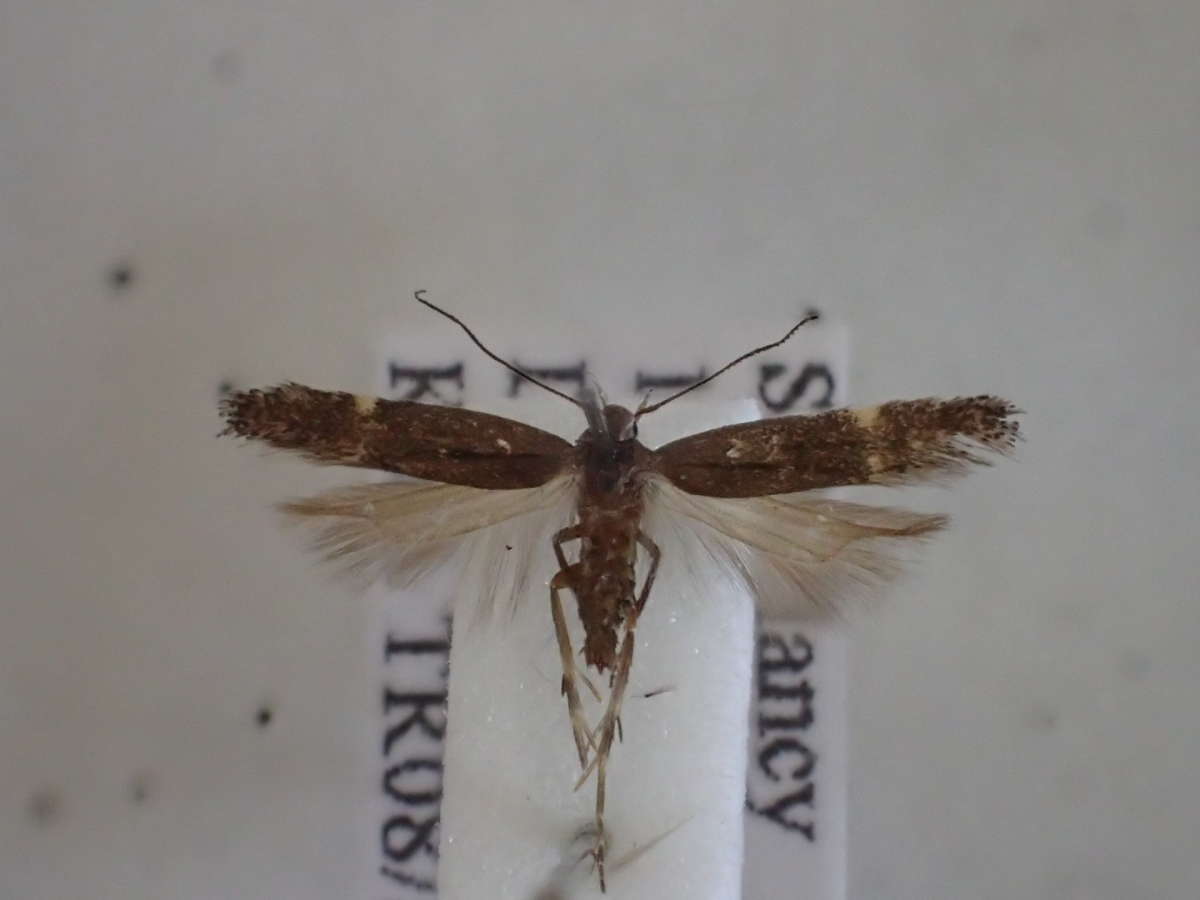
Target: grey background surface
point(995, 197)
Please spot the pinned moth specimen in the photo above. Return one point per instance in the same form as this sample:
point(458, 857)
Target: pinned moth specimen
point(744, 488)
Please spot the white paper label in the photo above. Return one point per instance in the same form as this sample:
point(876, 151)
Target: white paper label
point(795, 818)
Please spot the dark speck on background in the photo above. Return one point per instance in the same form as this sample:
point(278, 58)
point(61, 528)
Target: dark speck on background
point(120, 276)
point(263, 717)
point(140, 788)
point(45, 806)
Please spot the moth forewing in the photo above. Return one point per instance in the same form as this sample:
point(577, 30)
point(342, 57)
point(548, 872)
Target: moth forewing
point(894, 443)
point(420, 440)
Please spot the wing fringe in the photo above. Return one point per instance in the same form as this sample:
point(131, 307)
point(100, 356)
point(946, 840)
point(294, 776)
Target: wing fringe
point(399, 531)
point(800, 555)
point(934, 441)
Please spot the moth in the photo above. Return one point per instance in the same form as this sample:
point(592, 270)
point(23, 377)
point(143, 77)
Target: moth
point(751, 492)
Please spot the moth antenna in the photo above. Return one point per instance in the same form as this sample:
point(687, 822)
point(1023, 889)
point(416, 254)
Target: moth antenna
point(809, 317)
point(645, 402)
point(419, 297)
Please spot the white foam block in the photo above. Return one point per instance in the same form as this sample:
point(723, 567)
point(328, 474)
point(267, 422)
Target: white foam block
point(676, 785)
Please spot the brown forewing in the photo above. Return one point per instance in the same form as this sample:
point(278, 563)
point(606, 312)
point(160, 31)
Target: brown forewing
point(455, 446)
point(896, 442)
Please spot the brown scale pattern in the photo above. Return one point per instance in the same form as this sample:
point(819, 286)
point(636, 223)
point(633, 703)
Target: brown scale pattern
point(890, 443)
point(455, 446)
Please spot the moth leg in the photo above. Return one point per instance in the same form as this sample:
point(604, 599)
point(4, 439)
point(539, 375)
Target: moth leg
point(620, 675)
point(601, 845)
point(610, 724)
point(607, 729)
point(655, 555)
point(579, 726)
point(571, 533)
point(587, 683)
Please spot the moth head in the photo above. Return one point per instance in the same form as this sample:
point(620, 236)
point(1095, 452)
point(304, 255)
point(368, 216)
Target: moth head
point(621, 423)
point(608, 423)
